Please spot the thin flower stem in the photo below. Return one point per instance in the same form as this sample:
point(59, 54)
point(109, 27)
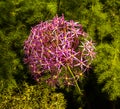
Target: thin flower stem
point(74, 79)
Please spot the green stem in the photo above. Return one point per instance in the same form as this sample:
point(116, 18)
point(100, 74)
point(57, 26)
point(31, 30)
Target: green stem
point(74, 80)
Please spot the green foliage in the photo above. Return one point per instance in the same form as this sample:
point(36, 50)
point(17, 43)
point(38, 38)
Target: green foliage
point(32, 97)
point(108, 70)
point(108, 51)
point(11, 56)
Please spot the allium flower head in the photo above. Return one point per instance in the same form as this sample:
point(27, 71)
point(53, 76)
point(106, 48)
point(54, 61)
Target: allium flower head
point(53, 45)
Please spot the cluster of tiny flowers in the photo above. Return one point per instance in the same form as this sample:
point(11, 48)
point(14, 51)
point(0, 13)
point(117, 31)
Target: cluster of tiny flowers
point(55, 44)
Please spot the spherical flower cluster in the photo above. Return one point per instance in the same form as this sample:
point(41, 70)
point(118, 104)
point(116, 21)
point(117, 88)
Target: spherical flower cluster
point(53, 46)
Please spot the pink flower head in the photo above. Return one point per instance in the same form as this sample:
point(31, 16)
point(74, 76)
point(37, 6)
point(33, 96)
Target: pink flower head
point(53, 45)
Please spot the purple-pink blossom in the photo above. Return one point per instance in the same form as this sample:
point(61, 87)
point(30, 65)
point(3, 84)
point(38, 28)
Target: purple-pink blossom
point(55, 44)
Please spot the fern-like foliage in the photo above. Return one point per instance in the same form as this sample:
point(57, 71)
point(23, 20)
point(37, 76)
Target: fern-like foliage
point(107, 67)
point(32, 97)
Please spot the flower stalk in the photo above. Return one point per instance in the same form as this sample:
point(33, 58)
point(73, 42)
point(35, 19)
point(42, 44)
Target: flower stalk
point(76, 83)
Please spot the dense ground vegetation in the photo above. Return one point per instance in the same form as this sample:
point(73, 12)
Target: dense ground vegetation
point(100, 86)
